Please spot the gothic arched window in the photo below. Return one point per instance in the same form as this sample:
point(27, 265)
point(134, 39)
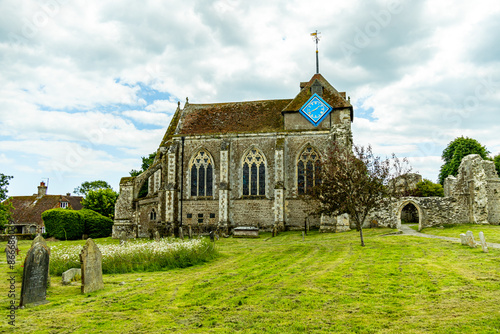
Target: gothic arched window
point(201, 169)
point(308, 170)
point(152, 215)
point(254, 174)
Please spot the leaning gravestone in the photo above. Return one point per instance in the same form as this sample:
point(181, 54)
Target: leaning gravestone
point(91, 264)
point(483, 242)
point(463, 239)
point(470, 239)
point(35, 275)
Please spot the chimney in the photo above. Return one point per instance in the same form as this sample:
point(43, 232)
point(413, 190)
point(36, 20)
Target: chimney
point(68, 194)
point(42, 189)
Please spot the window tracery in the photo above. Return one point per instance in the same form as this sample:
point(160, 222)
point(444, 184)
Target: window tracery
point(254, 174)
point(308, 170)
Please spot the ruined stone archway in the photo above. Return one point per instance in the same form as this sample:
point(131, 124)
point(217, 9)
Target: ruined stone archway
point(403, 205)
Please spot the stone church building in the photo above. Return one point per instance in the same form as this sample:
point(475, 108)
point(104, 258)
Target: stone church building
point(224, 165)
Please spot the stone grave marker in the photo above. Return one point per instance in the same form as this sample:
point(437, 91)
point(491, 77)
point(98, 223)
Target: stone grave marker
point(463, 239)
point(483, 242)
point(35, 275)
point(190, 231)
point(41, 240)
point(91, 265)
point(157, 236)
point(470, 239)
point(69, 274)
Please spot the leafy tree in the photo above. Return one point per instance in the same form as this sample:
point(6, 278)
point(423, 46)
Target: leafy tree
point(356, 183)
point(496, 160)
point(101, 201)
point(427, 188)
point(85, 187)
point(455, 152)
point(5, 206)
point(146, 162)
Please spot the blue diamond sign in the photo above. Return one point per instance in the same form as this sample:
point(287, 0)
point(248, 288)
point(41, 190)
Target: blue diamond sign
point(315, 109)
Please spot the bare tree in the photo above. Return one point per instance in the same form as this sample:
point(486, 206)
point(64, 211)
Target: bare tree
point(357, 182)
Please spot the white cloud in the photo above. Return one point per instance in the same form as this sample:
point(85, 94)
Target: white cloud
point(107, 76)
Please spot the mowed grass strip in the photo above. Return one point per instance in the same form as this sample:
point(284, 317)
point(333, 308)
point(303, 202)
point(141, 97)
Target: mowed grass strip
point(326, 283)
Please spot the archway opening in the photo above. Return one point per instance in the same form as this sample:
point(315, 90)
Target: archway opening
point(409, 214)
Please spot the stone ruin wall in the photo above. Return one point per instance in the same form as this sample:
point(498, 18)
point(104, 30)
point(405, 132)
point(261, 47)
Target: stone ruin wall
point(471, 197)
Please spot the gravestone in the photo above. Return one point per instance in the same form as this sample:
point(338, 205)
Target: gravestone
point(39, 239)
point(463, 239)
point(35, 275)
point(157, 236)
point(190, 231)
point(483, 242)
point(181, 234)
point(69, 274)
point(91, 264)
point(470, 239)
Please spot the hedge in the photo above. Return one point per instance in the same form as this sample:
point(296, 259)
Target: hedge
point(64, 224)
point(96, 225)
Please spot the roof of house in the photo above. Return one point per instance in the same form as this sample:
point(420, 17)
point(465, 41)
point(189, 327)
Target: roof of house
point(29, 209)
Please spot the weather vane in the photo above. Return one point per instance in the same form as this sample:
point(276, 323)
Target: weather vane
point(315, 36)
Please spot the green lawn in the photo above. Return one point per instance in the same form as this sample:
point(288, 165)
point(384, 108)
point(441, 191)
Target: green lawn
point(491, 232)
point(325, 284)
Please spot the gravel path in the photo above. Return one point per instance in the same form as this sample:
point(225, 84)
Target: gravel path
point(407, 230)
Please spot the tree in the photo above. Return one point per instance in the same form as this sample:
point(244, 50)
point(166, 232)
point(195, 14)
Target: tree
point(101, 201)
point(5, 206)
point(427, 188)
point(85, 187)
point(455, 152)
point(146, 162)
point(496, 160)
point(356, 183)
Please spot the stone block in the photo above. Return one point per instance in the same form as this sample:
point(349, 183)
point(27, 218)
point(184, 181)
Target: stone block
point(69, 274)
point(246, 232)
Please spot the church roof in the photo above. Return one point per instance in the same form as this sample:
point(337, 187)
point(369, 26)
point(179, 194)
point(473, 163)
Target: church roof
point(330, 95)
point(233, 117)
point(249, 116)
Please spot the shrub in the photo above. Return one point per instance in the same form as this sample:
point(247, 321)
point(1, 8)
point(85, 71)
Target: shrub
point(96, 225)
point(63, 224)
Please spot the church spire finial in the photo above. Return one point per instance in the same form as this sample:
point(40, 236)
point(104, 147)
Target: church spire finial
point(315, 36)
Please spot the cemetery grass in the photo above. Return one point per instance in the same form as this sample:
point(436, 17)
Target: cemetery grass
point(491, 232)
point(326, 283)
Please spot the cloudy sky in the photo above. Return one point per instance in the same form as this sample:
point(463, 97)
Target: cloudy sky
point(87, 88)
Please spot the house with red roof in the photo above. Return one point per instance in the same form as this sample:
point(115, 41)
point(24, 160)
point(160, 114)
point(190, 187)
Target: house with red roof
point(27, 210)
